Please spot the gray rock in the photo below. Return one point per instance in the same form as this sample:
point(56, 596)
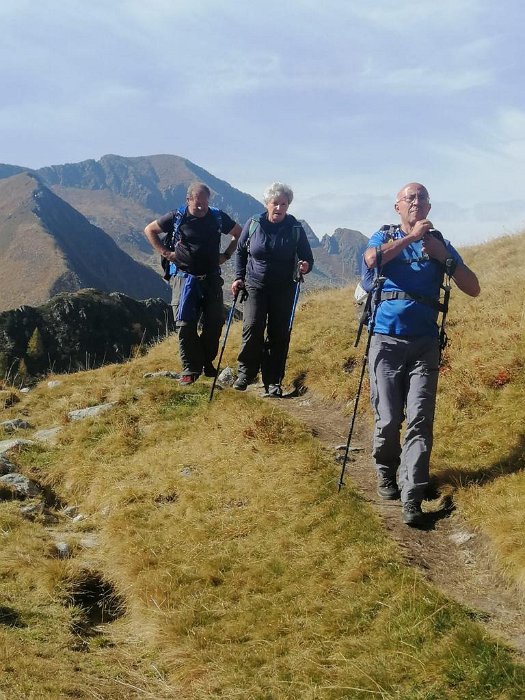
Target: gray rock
point(16, 424)
point(49, 435)
point(162, 373)
point(90, 412)
point(63, 550)
point(87, 328)
point(341, 448)
point(32, 511)
point(89, 542)
point(54, 383)
point(6, 466)
point(461, 537)
point(21, 485)
point(6, 445)
point(226, 376)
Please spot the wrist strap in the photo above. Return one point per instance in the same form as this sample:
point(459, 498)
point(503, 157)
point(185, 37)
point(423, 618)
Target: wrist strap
point(450, 266)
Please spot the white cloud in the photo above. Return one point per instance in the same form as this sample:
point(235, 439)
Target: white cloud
point(419, 80)
point(344, 100)
point(396, 16)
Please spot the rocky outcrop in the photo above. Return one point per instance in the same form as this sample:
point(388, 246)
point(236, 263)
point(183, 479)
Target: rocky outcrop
point(81, 330)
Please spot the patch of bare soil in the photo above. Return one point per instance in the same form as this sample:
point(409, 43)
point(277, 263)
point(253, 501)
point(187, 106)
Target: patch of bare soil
point(448, 553)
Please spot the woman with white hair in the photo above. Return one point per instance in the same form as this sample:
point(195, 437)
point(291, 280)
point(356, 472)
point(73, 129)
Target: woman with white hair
point(272, 251)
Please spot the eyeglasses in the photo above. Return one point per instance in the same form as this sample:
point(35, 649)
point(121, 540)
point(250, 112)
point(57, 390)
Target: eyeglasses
point(411, 198)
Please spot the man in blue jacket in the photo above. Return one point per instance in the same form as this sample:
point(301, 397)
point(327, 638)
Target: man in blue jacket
point(403, 360)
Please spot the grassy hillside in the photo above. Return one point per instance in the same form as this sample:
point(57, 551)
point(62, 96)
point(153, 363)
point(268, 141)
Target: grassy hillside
point(208, 553)
point(479, 450)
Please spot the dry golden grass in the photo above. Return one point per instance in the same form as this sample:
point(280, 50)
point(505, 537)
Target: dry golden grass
point(238, 570)
point(214, 558)
point(479, 433)
point(481, 412)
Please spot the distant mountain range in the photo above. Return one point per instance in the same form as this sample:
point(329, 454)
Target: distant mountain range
point(66, 227)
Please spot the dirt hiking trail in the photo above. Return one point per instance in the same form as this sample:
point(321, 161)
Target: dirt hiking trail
point(449, 554)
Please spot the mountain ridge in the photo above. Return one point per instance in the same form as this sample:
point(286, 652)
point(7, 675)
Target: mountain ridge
point(119, 195)
point(48, 247)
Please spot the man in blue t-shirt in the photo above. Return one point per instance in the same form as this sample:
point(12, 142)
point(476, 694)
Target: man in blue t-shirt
point(403, 359)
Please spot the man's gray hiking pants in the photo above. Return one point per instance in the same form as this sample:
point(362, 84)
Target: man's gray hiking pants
point(403, 383)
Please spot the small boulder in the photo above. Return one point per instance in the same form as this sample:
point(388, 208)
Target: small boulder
point(16, 424)
point(21, 486)
point(226, 376)
point(90, 412)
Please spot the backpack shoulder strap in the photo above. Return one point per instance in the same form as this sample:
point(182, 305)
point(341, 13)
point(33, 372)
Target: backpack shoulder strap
point(296, 228)
point(178, 215)
point(254, 223)
point(389, 230)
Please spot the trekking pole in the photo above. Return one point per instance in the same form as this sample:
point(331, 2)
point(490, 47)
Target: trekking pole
point(363, 319)
point(230, 317)
point(377, 298)
point(443, 338)
point(299, 281)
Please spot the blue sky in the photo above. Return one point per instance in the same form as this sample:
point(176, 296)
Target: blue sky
point(345, 100)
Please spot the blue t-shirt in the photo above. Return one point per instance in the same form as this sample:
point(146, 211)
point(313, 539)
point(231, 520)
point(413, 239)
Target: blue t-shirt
point(413, 273)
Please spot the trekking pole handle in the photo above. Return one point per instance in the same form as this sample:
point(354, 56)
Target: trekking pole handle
point(298, 275)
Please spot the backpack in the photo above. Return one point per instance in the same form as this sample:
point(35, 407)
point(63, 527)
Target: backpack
point(173, 237)
point(367, 282)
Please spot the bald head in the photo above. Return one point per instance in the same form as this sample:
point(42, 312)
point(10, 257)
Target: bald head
point(412, 205)
point(412, 188)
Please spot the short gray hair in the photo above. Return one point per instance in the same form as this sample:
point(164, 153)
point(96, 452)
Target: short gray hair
point(196, 187)
point(278, 189)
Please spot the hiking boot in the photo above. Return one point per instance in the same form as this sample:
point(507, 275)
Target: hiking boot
point(209, 370)
point(187, 379)
point(275, 391)
point(241, 383)
point(387, 487)
point(412, 514)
